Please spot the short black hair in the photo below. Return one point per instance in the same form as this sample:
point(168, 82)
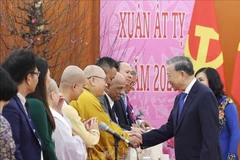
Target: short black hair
point(182, 63)
point(8, 87)
point(19, 63)
point(106, 63)
point(214, 81)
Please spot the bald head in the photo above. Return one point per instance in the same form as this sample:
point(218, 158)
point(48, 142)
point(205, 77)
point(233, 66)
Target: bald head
point(96, 80)
point(52, 86)
point(125, 69)
point(118, 79)
point(54, 96)
point(93, 70)
point(117, 88)
point(71, 74)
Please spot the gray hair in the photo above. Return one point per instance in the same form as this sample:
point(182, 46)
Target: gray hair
point(182, 63)
point(134, 72)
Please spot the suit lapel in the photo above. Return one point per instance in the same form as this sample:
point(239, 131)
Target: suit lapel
point(187, 104)
point(110, 110)
point(19, 103)
point(123, 110)
point(175, 113)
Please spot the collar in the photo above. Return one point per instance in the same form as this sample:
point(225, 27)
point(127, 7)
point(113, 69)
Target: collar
point(22, 98)
point(111, 102)
point(87, 87)
point(124, 95)
point(221, 99)
point(189, 87)
point(63, 118)
point(66, 101)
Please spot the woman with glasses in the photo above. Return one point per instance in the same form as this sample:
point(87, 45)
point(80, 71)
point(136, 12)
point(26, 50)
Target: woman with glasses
point(228, 114)
point(40, 112)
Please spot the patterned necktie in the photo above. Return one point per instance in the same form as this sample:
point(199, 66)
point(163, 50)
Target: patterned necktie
point(181, 103)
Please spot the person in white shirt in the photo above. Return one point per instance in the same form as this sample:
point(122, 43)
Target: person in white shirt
point(68, 147)
point(71, 86)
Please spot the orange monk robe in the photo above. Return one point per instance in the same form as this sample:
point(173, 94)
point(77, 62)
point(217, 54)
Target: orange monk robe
point(88, 106)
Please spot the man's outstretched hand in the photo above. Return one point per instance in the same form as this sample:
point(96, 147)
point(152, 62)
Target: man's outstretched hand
point(135, 139)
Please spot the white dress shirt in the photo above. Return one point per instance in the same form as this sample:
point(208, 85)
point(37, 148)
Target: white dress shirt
point(67, 147)
point(189, 87)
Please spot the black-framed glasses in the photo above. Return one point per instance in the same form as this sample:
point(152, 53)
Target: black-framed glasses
point(37, 73)
point(105, 79)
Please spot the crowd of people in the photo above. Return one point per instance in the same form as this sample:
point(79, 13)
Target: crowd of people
point(41, 120)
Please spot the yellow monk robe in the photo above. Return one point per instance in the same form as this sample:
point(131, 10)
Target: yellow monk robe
point(88, 106)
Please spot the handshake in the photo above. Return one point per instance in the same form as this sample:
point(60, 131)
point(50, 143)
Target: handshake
point(135, 139)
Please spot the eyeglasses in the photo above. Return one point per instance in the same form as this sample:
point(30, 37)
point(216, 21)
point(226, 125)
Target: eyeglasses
point(37, 73)
point(132, 83)
point(105, 79)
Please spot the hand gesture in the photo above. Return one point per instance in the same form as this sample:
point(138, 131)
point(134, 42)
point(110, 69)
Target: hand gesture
point(145, 125)
point(91, 123)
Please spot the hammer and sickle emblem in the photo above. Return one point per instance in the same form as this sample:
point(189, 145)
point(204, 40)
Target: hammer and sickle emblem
point(205, 34)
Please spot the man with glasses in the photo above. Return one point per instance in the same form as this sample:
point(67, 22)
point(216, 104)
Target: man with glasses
point(21, 65)
point(88, 106)
point(140, 123)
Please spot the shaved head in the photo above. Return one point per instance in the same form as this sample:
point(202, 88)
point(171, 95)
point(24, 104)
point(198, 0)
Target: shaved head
point(71, 74)
point(117, 88)
point(119, 79)
point(52, 86)
point(96, 79)
point(72, 82)
point(93, 70)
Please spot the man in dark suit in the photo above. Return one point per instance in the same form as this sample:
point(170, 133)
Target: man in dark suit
point(21, 66)
point(114, 93)
point(122, 107)
point(193, 121)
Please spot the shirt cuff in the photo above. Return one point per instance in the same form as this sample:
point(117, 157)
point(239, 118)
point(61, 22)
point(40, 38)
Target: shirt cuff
point(139, 121)
point(94, 131)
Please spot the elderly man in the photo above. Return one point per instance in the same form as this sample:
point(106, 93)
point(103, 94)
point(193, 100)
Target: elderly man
point(68, 147)
point(114, 93)
point(88, 106)
point(193, 121)
point(71, 85)
point(122, 108)
point(141, 123)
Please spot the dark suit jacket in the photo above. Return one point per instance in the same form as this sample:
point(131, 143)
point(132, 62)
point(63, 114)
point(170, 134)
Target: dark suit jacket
point(124, 120)
point(107, 109)
point(25, 137)
point(197, 132)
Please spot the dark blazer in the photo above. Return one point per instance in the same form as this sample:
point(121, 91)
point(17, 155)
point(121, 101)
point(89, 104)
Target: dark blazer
point(124, 120)
point(107, 108)
point(197, 131)
point(26, 139)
